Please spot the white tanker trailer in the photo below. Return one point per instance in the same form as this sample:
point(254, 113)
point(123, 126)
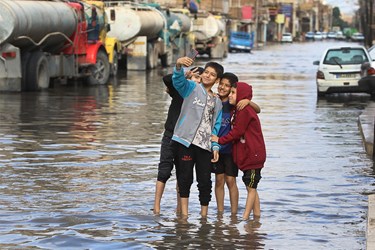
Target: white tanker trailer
point(210, 35)
point(40, 40)
point(138, 28)
point(179, 25)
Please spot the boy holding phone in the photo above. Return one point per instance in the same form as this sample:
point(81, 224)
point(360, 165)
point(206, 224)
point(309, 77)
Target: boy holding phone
point(199, 118)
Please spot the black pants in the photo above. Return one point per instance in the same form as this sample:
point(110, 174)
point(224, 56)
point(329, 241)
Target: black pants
point(186, 159)
point(167, 154)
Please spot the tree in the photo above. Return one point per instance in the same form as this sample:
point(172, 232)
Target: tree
point(337, 20)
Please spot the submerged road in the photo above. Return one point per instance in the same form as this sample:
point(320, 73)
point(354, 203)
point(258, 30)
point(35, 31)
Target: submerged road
point(79, 164)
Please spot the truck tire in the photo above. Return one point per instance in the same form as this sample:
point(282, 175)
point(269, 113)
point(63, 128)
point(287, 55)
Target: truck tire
point(37, 72)
point(164, 60)
point(24, 65)
point(114, 66)
point(152, 56)
point(100, 71)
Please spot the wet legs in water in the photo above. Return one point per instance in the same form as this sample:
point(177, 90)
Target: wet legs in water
point(252, 204)
point(159, 190)
point(220, 181)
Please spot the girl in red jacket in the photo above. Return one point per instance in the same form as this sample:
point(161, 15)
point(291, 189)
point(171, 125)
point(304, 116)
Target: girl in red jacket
point(249, 150)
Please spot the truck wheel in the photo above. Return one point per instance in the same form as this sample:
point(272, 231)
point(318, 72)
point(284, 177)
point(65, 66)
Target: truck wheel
point(37, 72)
point(100, 71)
point(152, 56)
point(164, 60)
point(25, 57)
point(114, 66)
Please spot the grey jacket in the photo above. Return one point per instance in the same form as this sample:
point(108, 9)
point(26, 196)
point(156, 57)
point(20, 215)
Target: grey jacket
point(195, 98)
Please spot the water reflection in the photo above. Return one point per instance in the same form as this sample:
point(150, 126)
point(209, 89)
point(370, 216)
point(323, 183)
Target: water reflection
point(212, 233)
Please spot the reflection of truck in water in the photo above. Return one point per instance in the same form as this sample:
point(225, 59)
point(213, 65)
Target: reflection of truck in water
point(241, 41)
point(209, 35)
point(41, 40)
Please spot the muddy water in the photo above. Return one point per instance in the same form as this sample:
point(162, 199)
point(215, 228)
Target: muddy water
point(78, 165)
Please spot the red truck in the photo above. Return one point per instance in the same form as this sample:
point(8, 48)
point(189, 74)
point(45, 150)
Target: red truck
point(44, 40)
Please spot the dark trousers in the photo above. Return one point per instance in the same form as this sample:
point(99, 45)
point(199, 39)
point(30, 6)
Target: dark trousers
point(167, 154)
point(186, 159)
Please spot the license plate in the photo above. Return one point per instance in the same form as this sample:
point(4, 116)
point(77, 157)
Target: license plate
point(346, 75)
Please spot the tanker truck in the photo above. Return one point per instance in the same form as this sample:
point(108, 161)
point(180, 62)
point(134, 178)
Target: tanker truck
point(179, 25)
point(44, 40)
point(98, 29)
point(138, 28)
point(209, 35)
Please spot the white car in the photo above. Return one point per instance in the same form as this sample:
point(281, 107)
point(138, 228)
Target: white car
point(371, 51)
point(340, 35)
point(339, 69)
point(318, 36)
point(331, 35)
point(357, 37)
point(287, 38)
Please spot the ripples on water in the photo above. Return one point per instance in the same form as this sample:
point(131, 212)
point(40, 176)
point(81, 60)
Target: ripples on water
point(79, 164)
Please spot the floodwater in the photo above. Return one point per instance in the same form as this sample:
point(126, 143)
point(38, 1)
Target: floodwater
point(78, 164)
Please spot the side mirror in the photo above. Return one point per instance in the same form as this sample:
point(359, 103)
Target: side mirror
point(316, 63)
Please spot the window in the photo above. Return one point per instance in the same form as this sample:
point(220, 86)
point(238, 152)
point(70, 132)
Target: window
point(345, 56)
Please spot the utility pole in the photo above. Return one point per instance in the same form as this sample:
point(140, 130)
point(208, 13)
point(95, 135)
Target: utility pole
point(256, 24)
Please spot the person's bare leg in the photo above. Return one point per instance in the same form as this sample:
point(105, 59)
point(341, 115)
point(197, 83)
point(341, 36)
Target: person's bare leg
point(219, 192)
point(204, 211)
point(178, 208)
point(184, 206)
point(233, 193)
point(256, 208)
point(159, 190)
point(251, 194)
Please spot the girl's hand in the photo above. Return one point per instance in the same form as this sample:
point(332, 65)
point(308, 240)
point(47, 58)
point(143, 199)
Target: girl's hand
point(214, 138)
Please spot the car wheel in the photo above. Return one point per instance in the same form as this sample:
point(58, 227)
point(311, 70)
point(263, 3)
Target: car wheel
point(320, 93)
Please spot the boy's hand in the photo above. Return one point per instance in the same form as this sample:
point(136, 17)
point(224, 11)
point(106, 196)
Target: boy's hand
point(190, 73)
point(215, 156)
point(242, 104)
point(214, 138)
point(184, 61)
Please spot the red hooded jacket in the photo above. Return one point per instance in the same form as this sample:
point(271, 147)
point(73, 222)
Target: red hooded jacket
point(249, 150)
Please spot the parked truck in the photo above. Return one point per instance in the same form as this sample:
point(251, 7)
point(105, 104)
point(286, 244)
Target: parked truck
point(210, 36)
point(139, 28)
point(179, 25)
point(99, 31)
point(44, 40)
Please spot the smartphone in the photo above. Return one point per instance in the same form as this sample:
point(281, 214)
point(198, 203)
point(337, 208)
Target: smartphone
point(192, 54)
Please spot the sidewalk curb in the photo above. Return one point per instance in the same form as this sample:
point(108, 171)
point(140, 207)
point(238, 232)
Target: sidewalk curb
point(370, 232)
point(366, 127)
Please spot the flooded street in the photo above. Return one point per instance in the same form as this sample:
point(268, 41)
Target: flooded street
point(79, 164)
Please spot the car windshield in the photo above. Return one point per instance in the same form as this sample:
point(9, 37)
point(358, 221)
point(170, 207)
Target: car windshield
point(241, 35)
point(345, 56)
